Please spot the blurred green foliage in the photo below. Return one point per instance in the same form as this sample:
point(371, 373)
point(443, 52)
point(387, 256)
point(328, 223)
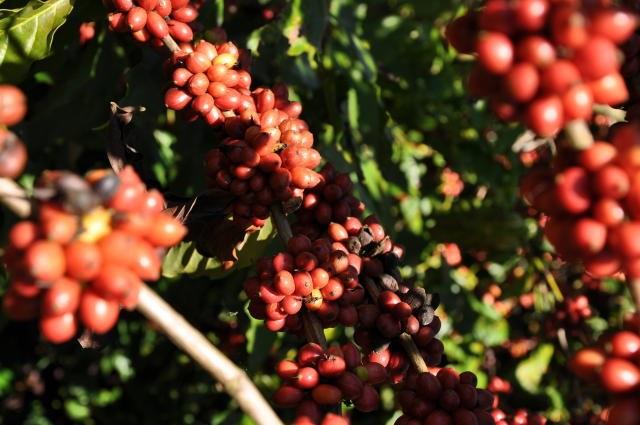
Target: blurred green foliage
point(384, 95)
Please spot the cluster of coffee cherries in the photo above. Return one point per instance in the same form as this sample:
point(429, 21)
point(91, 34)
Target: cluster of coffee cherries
point(13, 153)
point(207, 81)
point(592, 200)
point(331, 201)
point(149, 21)
point(379, 324)
point(499, 386)
point(570, 314)
point(614, 365)
point(445, 397)
point(86, 251)
point(520, 417)
point(267, 159)
point(267, 156)
point(319, 276)
point(544, 62)
point(320, 379)
point(390, 353)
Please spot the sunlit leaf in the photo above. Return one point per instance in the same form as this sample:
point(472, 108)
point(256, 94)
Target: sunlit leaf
point(26, 35)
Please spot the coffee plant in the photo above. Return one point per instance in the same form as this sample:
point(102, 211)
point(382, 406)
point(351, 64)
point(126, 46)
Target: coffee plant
point(320, 212)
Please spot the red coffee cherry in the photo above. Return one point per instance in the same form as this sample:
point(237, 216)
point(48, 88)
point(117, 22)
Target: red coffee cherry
point(325, 394)
point(545, 115)
point(45, 261)
point(58, 329)
point(13, 105)
point(307, 378)
point(83, 260)
point(156, 25)
point(495, 52)
point(98, 314)
point(596, 58)
point(522, 82)
point(23, 234)
point(619, 376)
point(61, 298)
point(536, 50)
point(288, 396)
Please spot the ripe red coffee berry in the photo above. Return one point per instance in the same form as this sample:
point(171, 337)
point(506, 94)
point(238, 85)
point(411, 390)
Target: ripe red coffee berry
point(620, 376)
point(522, 82)
point(495, 52)
point(331, 366)
point(58, 329)
point(545, 115)
point(597, 58)
point(97, 314)
point(288, 396)
point(326, 394)
point(45, 261)
point(306, 378)
point(13, 105)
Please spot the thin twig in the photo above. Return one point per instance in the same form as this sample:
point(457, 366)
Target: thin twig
point(13, 196)
point(562, 339)
point(185, 336)
point(578, 134)
point(235, 382)
point(634, 288)
point(282, 224)
point(615, 115)
point(414, 354)
point(313, 330)
point(171, 44)
point(406, 340)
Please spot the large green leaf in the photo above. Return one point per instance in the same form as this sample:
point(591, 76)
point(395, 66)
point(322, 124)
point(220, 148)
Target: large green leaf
point(531, 370)
point(184, 259)
point(26, 35)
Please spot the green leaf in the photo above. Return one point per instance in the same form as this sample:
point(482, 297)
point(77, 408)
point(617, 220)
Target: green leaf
point(491, 332)
point(75, 410)
point(6, 378)
point(219, 4)
point(259, 342)
point(184, 259)
point(531, 370)
point(26, 35)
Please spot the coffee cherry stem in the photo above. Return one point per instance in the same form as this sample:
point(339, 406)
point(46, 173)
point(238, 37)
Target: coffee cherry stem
point(236, 383)
point(413, 353)
point(634, 288)
point(170, 43)
point(281, 223)
point(313, 330)
point(406, 340)
point(562, 339)
point(578, 134)
point(13, 196)
point(614, 114)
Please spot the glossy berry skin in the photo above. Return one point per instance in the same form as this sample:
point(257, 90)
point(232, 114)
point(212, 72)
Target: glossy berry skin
point(13, 105)
point(61, 298)
point(620, 376)
point(522, 82)
point(545, 115)
point(58, 329)
point(96, 313)
point(45, 260)
point(83, 260)
point(13, 155)
point(495, 52)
